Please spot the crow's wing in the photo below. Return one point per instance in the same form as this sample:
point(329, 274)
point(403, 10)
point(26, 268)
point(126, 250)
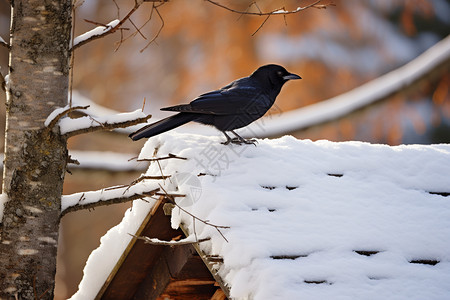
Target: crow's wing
point(241, 96)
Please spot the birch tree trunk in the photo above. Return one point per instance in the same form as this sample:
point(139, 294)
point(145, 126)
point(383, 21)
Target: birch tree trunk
point(35, 157)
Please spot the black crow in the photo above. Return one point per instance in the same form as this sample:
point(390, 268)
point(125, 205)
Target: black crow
point(233, 106)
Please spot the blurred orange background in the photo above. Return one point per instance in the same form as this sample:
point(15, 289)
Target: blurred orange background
point(200, 47)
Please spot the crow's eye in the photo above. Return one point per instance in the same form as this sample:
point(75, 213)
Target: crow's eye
point(280, 73)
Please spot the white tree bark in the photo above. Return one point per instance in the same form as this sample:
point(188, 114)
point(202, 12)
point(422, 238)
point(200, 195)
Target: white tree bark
point(35, 156)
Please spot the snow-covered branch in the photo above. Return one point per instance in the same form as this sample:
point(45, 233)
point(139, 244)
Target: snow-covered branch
point(70, 127)
point(108, 196)
point(96, 33)
point(102, 31)
point(111, 27)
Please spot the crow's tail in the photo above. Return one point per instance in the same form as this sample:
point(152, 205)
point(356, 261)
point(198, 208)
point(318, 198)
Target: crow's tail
point(162, 126)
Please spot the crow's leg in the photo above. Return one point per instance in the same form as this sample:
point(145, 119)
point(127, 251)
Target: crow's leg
point(240, 140)
point(229, 140)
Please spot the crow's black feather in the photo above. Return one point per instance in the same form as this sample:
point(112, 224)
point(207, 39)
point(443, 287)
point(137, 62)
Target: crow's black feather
point(233, 106)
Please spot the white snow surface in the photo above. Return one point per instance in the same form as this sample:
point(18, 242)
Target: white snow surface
point(298, 210)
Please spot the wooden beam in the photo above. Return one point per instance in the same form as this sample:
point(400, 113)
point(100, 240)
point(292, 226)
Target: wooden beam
point(210, 264)
point(179, 273)
point(147, 271)
point(167, 265)
point(139, 258)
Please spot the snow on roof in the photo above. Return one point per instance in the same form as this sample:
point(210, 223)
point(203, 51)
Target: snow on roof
point(309, 220)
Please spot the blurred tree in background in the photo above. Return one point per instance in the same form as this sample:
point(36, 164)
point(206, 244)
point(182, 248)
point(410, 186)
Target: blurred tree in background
point(201, 47)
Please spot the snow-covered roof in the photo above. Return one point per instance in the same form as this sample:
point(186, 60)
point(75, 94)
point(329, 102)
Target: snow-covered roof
point(307, 220)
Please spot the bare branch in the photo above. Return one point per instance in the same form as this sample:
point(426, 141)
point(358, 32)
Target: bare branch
point(95, 23)
point(170, 195)
point(138, 30)
point(279, 11)
point(169, 156)
point(158, 242)
point(155, 7)
point(118, 9)
point(108, 201)
point(262, 24)
point(143, 105)
point(104, 125)
point(141, 34)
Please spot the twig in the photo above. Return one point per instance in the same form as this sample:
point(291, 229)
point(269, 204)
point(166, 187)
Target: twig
point(142, 178)
point(169, 156)
point(193, 226)
point(134, 33)
point(95, 121)
point(115, 187)
point(217, 227)
point(279, 11)
point(262, 24)
point(248, 8)
point(150, 178)
point(155, 7)
point(107, 126)
point(95, 23)
point(71, 160)
point(138, 31)
point(118, 9)
point(158, 242)
point(170, 195)
point(143, 105)
point(160, 169)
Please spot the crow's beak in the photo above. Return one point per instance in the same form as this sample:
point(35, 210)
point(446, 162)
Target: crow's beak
point(291, 76)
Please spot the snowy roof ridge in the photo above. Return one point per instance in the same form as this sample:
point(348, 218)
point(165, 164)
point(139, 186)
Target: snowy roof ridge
point(331, 220)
